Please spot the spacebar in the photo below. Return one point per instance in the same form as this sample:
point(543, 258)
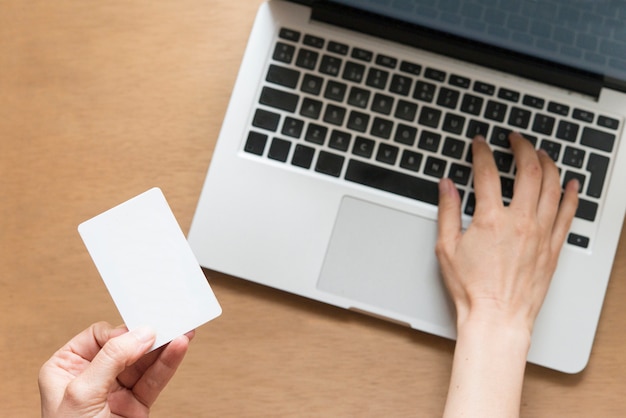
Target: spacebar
point(392, 181)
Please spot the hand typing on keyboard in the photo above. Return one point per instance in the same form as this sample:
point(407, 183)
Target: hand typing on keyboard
point(498, 272)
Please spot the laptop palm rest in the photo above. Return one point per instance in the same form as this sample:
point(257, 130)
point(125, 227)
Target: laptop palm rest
point(384, 260)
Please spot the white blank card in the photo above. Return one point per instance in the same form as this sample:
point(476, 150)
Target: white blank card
point(149, 268)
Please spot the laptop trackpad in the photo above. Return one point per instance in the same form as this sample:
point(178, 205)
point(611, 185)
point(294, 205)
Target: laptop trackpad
point(385, 258)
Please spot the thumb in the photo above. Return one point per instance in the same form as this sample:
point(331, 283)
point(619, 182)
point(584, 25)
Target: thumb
point(449, 214)
point(117, 354)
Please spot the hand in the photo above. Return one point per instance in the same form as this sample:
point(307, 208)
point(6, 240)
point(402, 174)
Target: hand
point(498, 272)
point(103, 372)
point(501, 267)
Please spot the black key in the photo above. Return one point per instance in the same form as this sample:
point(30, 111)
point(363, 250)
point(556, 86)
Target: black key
point(400, 85)
point(578, 240)
point(335, 91)
point(495, 110)
point(312, 84)
point(552, 148)
point(405, 134)
point(358, 121)
point(475, 127)
point(472, 104)
point(558, 108)
point(470, 206)
point(381, 128)
point(411, 160)
point(453, 123)
point(506, 186)
point(338, 48)
point(339, 140)
point(459, 81)
point(363, 147)
point(334, 115)
point(362, 54)
point(382, 103)
point(307, 58)
point(519, 117)
point(597, 166)
point(406, 110)
point(255, 144)
point(266, 120)
point(289, 34)
point(330, 65)
point(283, 76)
point(500, 137)
point(586, 210)
point(608, 122)
point(279, 150)
point(311, 108)
point(584, 115)
point(410, 68)
point(353, 72)
point(279, 99)
point(573, 157)
point(316, 134)
point(429, 141)
point(435, 167)
point(283, 52)
point(377, 78)
point(424, 91)
point(459, 173)
point(533, 101)
point(387, 154)
point(597, 139)
point(434, 74)
point(504, 161)
point(484, 88)
point(567, 131)
point(429, 117)
point(393, 181)
point(448, 98)
point(292, 127)
point(509, 95)
point(314, 41)
point(302, 156)
point(569, 175)
point(330, 164)
point(453, 148)
point(386, 61)
point(359, 97)
point(543, 124)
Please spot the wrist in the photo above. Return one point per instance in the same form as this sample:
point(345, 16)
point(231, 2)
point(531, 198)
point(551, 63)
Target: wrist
point(492, 331)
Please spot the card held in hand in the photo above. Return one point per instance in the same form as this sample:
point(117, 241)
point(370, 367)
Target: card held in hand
point(149, 268)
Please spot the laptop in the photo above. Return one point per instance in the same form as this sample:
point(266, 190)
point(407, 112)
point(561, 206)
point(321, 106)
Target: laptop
point(346, 114)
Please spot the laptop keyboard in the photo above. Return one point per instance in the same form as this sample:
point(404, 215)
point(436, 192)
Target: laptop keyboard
point(399, 126)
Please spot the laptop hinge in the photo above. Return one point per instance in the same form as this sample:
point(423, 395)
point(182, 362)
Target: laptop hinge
point(421, 37)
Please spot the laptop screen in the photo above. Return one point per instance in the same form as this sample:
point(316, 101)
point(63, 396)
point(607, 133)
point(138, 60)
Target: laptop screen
point(589, 35)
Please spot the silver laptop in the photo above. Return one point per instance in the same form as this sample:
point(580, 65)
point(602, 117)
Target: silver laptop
point(346, 114)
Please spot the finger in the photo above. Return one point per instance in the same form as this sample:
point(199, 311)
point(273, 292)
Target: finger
point(89, 342)
point(129, 377)
point(449, 214)
point(527, 185)
point(156, 377)
point(116, 354)
point(486, 179)
point(550, 194)
point(565, 214)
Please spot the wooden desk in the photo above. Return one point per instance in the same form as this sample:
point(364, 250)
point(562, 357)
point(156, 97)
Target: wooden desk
point(100, 101)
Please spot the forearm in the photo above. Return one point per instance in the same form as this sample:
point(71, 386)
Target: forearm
point(488, 371)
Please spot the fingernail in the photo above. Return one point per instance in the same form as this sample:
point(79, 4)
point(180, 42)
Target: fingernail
point(144, 334)
point(479, 138)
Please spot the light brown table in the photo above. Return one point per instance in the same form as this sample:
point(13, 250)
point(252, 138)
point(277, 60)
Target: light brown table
point(100, 101)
